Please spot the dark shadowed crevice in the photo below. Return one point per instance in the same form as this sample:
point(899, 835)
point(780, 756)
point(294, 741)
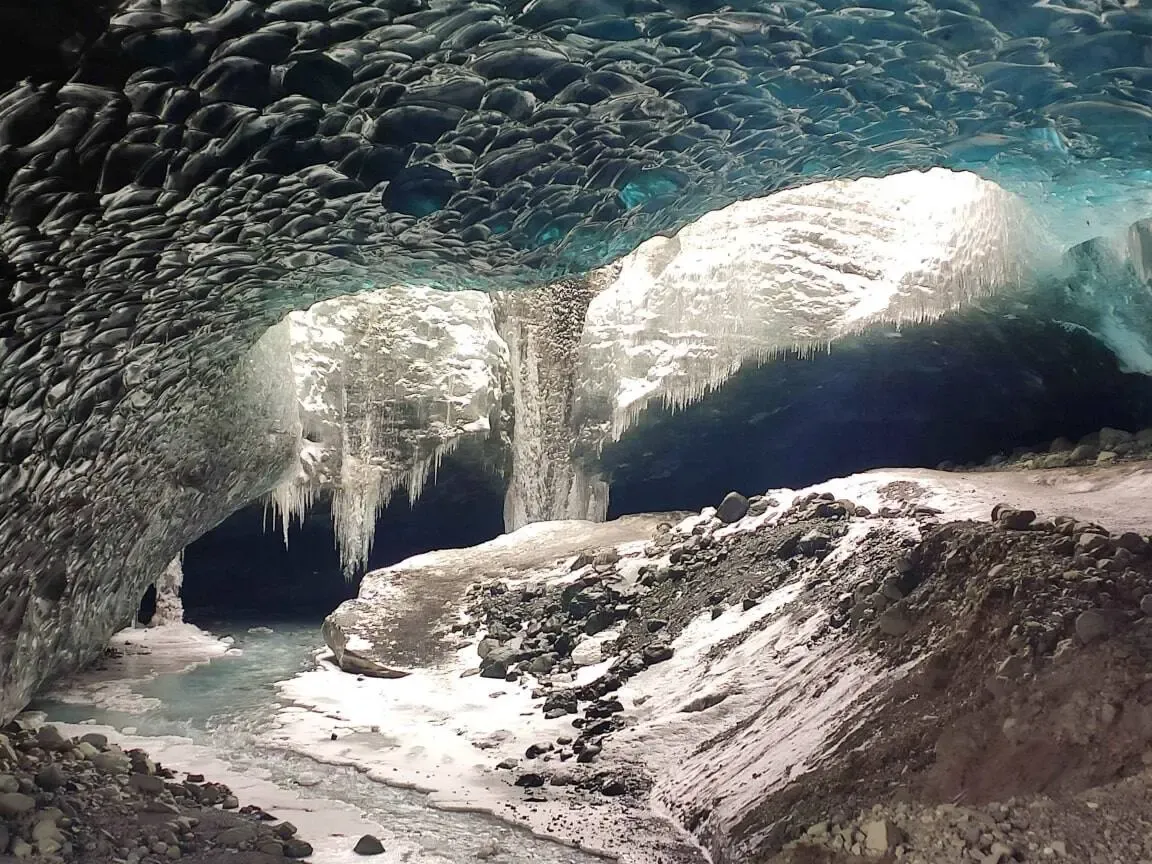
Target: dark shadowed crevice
point(241, 567)
point(147, 609)
point(959, 390)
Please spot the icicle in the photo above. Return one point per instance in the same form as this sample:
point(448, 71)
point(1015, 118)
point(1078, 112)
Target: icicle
point(289, 502)
point(364, 492)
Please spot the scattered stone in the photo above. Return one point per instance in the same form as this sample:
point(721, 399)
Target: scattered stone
point(100, 742)
point(881, 836)
point(613, 786)
point(589, 753)
point(14, 804)
point(237, 836)
point(297, 848)
point(1093, 626)
point(657, 652)
point(50, 738)
point(368, 845)
point(1012, 519)
point(51, 778)
point(732, 509)
point(893, 621)
point(146, 783)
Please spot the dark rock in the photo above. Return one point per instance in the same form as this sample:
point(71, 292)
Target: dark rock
point(368, 845)
point(498, 663)
point(564, 701)
point(732, 509)
point(597, 622)
point(613, 786)
point(1093, 544)
point(297, 848)
point(1093, 625)
point(1132, 542)
point(49, 738)
point(236, 836)
point(529, 781)
point(15, 804)
point(657, 652)
point(894, 622)
point(149, 783)
point(589, 752)
point(100, 742)
point(1012, 519)
point(51, 778)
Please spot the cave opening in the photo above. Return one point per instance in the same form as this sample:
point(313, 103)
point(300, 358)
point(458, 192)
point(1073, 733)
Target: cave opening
point(242, 570)
point(147, 610)
point(958, 390)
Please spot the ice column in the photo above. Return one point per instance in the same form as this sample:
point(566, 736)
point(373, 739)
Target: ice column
point(169, 608)
point(542, 329)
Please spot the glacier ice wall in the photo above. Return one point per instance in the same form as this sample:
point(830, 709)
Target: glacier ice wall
point(795, 271)
point(387, 382)
point(82, 538)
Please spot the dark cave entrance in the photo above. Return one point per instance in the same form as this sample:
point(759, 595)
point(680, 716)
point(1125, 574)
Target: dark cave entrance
point(147, 610)
point(240, 570)
point(958, 390)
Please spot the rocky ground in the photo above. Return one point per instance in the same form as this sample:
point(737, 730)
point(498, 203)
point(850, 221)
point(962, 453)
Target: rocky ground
point(1013, 722)
point(84, 800)
point(1105, 447)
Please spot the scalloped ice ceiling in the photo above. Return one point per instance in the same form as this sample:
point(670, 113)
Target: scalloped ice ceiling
point(249, 155)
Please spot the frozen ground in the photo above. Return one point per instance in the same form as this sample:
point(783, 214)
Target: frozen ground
point(773, 695)
point(197, 703)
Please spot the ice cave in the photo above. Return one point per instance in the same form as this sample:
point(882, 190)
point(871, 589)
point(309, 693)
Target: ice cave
point(675, 431)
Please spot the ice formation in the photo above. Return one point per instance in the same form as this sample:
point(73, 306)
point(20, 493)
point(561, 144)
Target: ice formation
point(169, 608)
point(177, 177)
point(388, 382)
point(796, 271)
point(579, 360)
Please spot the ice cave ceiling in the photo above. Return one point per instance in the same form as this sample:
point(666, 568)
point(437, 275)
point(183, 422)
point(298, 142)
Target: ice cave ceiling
point(180, 174)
